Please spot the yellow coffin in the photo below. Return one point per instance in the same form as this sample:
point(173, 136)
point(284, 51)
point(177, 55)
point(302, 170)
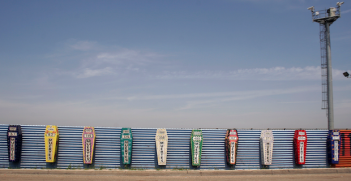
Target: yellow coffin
point(51, 140)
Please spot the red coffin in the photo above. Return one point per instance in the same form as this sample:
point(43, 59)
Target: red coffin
point(231, 145)
point(300, 146)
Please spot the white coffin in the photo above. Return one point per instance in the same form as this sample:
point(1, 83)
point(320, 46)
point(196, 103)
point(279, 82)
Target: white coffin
point(266, 145)
point(161, 146)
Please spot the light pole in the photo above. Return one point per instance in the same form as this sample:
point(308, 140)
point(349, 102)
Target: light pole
point(325, 18)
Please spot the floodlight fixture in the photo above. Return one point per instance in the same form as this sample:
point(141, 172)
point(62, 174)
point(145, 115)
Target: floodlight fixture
point(346, 74)
point(311, 8)
point(339, 3)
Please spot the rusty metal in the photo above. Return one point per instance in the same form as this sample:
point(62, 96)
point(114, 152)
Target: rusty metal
point(345, 149)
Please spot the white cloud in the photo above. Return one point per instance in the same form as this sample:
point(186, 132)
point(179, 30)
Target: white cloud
point(199, 100)
point(114, 61)
point(127, 56)
point(268, 74)
point(83, 45)
point(124, 60)
point(347, 37)
point(97, 72)
point(238, 94)
point(92, 59)
point(119, 115)
point(245, 95)
point(263, 1)
point(346, 11)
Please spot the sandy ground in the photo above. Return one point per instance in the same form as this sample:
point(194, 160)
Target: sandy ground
point(51, 177)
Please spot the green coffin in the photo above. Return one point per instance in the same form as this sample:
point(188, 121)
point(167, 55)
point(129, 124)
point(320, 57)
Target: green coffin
point(196, 147)
point(126, 145)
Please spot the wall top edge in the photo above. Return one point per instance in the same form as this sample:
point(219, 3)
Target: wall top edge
point(277, 129)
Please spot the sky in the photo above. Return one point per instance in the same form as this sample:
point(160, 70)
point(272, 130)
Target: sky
point(173, 64)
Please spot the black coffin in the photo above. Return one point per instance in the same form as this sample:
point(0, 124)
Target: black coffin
point(14, 142)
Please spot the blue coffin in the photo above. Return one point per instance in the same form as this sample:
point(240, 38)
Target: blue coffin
point(333, 146)
point(14, 142)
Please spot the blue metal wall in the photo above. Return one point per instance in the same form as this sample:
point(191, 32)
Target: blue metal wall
point(3, 147)
point(107, 148)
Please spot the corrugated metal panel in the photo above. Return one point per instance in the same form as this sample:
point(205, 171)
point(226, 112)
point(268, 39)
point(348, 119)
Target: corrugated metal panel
point(345, 149)
point(316, 155)
point(178, 155)
point(106, 153)
point(4, 163)
point(283, 149)
point(33, 147)
point(213, 149)
point(107, 149)
point(70, 152)
point(248, 149)
point(144, 149)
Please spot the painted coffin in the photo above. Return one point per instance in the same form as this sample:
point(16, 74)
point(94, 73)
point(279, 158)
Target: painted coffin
point(333, 146)
point(196, 147)
point(231, 144)
point(126, 145)
point(14, 142)
point(88, 140)
point(266, 145)
point(161, 146)
point(300, 146)
point(51, 137)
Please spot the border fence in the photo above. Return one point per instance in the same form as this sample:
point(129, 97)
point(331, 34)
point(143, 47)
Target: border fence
point(107, 149)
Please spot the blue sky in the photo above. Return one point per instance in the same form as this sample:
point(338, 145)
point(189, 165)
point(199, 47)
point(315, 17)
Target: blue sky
point(184, 64)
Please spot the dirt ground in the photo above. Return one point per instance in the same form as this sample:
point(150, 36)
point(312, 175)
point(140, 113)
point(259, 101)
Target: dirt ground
point(52, 177)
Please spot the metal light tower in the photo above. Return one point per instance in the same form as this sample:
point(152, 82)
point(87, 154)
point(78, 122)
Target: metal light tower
point(325, 18)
